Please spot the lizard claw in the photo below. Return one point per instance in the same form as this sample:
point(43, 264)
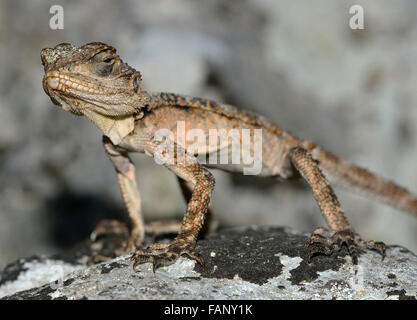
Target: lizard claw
point(165, 254)
point(327, 242)
point(196, 256)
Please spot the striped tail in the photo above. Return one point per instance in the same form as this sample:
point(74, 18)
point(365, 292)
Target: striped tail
point(342, 173)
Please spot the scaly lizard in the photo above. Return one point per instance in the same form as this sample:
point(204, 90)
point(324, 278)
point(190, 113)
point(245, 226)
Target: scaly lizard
point(93, 81)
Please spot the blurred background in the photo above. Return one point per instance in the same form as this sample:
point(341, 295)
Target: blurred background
point(296, 62)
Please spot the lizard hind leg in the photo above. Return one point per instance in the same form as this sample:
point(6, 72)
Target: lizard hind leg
point(326, 241)
point(210, 222)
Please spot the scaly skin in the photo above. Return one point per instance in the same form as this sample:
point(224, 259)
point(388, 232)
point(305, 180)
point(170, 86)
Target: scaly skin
point(93, 81)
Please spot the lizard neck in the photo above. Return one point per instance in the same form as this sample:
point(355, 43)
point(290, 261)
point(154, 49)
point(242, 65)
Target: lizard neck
point(116, 128)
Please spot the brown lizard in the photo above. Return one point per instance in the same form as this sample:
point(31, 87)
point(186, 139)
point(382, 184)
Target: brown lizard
point(93, 81)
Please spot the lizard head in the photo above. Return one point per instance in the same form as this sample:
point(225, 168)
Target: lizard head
point(91, 78)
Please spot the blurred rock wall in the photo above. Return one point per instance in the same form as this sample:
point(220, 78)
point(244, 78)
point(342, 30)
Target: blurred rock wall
point(297, 62)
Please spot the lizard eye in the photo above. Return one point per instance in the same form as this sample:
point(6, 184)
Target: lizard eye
point(103, 63)
point(109, 60)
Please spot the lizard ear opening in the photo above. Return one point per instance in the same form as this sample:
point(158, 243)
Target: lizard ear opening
point(136, 78)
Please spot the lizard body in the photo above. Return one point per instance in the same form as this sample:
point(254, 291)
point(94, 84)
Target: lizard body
point(93, 81)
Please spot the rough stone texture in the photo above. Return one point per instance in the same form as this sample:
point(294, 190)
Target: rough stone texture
point(296, 62)
point(241, 263)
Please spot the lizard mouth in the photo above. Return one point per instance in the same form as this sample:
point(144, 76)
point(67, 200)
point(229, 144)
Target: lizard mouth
point(66, 84)
point(75, 94)
point(61, 87)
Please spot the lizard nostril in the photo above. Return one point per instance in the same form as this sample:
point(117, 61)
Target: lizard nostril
point(53, 83)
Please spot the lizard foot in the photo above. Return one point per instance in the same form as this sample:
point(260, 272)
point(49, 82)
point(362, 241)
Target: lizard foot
point(115, 228)
point(165, 253)
point(324, 241)
point(109, 227)
point(108, 241)
point(112, 238)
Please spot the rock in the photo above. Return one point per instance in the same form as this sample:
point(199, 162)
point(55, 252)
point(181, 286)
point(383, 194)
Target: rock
point(241, 263)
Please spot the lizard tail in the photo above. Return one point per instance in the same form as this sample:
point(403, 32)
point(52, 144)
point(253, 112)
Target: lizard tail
point(342, 173)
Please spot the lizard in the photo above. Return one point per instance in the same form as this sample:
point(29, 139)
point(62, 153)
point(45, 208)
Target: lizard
point(93, 81)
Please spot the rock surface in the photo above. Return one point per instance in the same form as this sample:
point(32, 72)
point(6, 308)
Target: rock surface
point(241, 263)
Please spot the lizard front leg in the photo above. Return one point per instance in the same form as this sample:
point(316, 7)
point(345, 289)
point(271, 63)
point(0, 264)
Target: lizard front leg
point(125, 170)
point(184, 243)
point(341, 233)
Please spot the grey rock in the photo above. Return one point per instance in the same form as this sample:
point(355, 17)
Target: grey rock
point(300, 65)
point(241, 263)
